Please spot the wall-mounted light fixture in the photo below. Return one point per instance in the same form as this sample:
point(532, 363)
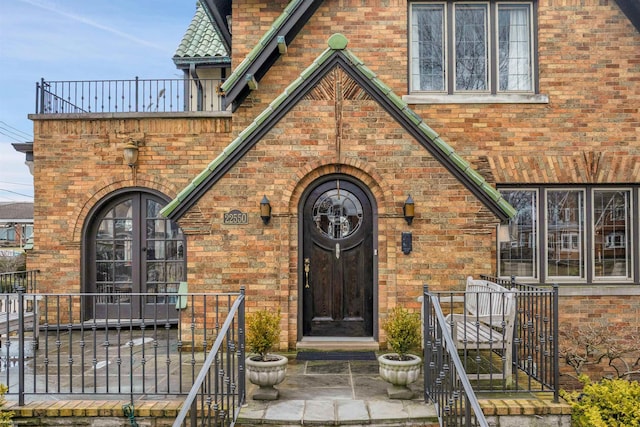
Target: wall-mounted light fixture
point(409, 210)
point(265, 210)
point(131, 152)
point(504, 233)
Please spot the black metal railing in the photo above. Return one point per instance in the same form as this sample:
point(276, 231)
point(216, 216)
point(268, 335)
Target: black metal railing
point(536, 341)
point(445, 381)
point(26, 280)
point(219, 390)
point(127, 96)
point(532, 358)
point(155, 347)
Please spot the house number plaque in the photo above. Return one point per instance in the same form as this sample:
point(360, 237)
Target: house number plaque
point(236, 217)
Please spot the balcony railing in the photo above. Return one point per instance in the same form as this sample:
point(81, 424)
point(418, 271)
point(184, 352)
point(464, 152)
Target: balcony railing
point(127, 96)
point(159, 351)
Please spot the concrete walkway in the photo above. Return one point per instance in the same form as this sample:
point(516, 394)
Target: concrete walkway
point(336, 393)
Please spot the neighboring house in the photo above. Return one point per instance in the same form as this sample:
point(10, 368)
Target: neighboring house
point(336, 121)
point(16, 226)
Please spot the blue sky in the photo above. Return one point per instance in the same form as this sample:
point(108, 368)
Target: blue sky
point(76, 40)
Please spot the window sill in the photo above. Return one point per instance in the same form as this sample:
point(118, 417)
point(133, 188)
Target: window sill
point(599, 290)
point(519, 98)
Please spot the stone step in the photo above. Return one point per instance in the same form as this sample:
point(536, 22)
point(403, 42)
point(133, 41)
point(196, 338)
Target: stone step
point(336, 344)
point(338, 412)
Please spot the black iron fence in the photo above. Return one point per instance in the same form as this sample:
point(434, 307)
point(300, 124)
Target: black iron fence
point(445, 381)
point(12, 281)
point(536, 340)
point(510, 346)
point(127, 96)
point(219, 390)
point(158, 348)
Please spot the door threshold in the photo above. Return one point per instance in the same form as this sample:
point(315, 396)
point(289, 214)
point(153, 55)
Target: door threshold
point(338, 343)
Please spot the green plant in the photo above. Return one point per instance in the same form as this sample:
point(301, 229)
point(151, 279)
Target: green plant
point(608, 403)
point(5, 416)
point(263, 332)
point(403, 331)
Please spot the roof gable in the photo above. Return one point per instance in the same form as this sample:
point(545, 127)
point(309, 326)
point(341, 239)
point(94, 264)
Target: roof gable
point(337, 55)
point(267, 51)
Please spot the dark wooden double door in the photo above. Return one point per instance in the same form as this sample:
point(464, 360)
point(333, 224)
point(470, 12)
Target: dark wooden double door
point(337, 262)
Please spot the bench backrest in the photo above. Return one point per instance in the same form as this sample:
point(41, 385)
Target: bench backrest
point(490, 301)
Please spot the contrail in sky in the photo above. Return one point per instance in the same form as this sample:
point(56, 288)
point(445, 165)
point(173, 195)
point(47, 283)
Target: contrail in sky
point(93, 24)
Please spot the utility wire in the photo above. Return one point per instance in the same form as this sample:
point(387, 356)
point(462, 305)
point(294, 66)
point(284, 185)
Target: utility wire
point(14, 136)
point(16, 183)
point(19, 194)
point(18, 131)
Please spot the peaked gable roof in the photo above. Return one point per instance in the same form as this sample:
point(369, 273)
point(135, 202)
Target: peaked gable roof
point(337, 55)
point(268, 49)
point(201, 42)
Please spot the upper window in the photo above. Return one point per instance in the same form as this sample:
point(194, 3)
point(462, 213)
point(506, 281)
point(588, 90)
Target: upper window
point(471, 47)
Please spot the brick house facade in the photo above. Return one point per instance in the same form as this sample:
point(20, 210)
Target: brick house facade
point(360, 130)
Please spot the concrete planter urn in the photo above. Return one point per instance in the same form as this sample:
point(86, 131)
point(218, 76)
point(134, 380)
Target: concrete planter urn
point(399, 373)
point(266, 374)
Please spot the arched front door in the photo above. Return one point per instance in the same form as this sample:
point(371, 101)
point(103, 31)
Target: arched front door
point(132, 249)
point(337, 277)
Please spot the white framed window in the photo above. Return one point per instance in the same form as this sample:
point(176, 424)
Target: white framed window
point(471, 47)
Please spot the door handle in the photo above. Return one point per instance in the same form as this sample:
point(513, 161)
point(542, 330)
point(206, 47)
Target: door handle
point(307, 267)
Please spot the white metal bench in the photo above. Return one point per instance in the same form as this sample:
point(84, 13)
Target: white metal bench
point(487, 324)
point(10, 317)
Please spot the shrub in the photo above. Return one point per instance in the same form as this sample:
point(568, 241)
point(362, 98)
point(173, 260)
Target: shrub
point(263, 332)
point(608, 403)
point(5, 416)
point(403, 331)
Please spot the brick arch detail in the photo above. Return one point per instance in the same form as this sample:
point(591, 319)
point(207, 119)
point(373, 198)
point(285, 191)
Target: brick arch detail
point(353, 167)
point(107, 186)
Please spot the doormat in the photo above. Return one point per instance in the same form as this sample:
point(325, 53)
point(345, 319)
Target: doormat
point(336, 355)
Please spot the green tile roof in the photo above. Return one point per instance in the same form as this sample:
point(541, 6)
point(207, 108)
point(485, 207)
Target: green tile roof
point(427, 136)
point(201, 40)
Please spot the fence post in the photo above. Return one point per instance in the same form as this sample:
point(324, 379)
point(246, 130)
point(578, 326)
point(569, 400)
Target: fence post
point(241, 344)
point(20, 291)
point(41, 96)
point(426, 352)
point(136, 90)
point(556, 344)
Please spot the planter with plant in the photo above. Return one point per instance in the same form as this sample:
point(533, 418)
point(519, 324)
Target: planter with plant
point(264, 369)
point(401, 368)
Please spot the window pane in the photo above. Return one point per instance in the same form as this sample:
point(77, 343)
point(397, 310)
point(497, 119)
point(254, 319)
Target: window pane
point(518, 257)
point(471, 47)
point(427, 47)
point(565, 234)
point(612, 233)
point(514, 47)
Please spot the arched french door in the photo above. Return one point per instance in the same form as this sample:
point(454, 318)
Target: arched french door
point(131, 249)
point(337, 260)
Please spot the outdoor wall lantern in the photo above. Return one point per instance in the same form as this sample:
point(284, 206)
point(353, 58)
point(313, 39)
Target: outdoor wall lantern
point(131, 152)
point(409, 210)
point(265, 210)
point(504, 233)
